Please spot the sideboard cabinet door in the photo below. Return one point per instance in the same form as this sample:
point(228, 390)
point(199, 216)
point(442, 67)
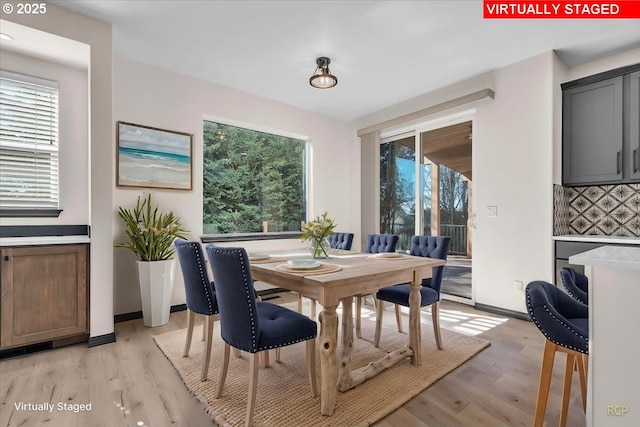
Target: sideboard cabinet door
point(44, 293)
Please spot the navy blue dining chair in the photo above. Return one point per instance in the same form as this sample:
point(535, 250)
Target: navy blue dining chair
point(565, 324)
point(342, 241)
point(254, 326)
point(576, 284)
point(375, 244)
point(423, 246)
point(200, 295)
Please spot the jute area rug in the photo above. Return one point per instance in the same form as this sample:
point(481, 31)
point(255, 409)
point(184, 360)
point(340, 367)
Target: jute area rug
point(284, 396)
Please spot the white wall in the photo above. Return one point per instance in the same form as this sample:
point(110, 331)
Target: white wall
point(512, 169)
point(151, 96)
point(73, 131)
point(97, 35)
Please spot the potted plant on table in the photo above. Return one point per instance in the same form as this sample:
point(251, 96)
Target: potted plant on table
point(150, 236)
point(316, 231)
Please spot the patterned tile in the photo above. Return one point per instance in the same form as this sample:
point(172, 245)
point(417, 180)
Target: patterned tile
point(611, 210)
point(594, 193)
point(560, 211)
point(580, 204)
point(621, 193)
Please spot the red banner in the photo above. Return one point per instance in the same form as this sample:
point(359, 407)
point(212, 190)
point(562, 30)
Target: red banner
point(496, 9)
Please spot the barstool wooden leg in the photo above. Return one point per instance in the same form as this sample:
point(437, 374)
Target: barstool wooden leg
point(545, 381)
point(566, 387)
point(582, 372)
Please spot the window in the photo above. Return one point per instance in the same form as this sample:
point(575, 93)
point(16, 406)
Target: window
point(253, 181)
point(28, 145)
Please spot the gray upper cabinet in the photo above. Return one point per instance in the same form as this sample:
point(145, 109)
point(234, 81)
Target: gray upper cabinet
point(592, 133)
point(634, 125)
point(601, 128)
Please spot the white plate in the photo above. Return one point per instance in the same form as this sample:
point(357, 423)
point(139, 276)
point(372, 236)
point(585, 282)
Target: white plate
point(389, 255)
point(258, 257)
point(303, 264)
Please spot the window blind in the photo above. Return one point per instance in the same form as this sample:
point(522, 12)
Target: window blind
point(28, 142)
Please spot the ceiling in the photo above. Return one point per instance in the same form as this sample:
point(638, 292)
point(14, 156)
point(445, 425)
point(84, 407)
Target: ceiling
point(383, 52)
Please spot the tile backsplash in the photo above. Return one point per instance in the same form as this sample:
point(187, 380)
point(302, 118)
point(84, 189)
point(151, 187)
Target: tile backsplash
point(605, 210)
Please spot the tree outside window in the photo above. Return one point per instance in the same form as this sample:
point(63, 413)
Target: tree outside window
point(253, 181)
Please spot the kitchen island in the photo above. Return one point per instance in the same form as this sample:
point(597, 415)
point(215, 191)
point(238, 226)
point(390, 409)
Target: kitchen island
point(614, 345)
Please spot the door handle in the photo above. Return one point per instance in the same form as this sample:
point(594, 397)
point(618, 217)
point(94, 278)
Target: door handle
point(635, 161)
point(618, 161)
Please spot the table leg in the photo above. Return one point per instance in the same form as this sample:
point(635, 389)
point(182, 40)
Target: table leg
point(344, 372)
point(328, 359)
point(415, 335)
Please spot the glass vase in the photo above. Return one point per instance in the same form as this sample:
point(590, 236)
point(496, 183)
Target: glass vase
point(319, 248)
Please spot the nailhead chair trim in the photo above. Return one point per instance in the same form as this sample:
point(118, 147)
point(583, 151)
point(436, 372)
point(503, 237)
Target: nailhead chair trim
point(576, 284)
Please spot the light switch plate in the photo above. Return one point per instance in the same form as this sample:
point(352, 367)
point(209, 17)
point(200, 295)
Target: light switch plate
point(492, 211)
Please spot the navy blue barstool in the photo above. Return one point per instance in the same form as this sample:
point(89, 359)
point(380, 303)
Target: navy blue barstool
point(577, 284)
point(375, 244)
point(200, 295)
point(251, 325)
point(341, 241)
point(565, 324)
point(424, 246)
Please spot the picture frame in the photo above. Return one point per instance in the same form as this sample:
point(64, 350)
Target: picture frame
point(152, 157)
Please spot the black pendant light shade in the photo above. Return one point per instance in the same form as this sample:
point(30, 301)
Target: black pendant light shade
point(322, 78)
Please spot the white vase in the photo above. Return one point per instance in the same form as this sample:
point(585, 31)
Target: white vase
point(156, 285)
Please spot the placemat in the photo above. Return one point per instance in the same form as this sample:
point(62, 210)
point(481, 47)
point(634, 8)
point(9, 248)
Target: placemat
point(322, 269)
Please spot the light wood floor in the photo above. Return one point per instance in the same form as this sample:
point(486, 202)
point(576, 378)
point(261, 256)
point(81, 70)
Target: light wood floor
point(131, 383)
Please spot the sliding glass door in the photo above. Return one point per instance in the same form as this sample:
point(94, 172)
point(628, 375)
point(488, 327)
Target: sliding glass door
point(397, 188)
point(425, 188)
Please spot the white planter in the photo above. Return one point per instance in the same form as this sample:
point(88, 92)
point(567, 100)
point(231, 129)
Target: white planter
point(156, 284)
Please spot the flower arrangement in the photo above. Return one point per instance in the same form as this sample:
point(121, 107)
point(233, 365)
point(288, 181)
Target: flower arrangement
point(316, 231)
point(151, 233)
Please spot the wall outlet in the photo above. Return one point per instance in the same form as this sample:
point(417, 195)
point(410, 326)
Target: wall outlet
point(492, 211)
point(518, 285)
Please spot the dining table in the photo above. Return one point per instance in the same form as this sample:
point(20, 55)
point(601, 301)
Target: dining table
point(337, 279)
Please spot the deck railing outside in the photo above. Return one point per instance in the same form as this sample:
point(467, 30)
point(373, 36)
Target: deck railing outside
point(458, 234)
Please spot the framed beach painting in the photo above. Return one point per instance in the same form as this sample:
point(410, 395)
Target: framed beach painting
point(152, 157)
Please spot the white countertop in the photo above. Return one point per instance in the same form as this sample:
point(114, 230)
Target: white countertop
point(599, 239)
point(625, 257)
point(43, 240)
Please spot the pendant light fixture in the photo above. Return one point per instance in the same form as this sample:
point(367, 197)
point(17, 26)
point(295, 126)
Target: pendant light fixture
point(322, 78)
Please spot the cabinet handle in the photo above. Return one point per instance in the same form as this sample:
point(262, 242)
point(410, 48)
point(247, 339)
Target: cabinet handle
point(635, 161)
point(619, 158)
point(6, 257)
